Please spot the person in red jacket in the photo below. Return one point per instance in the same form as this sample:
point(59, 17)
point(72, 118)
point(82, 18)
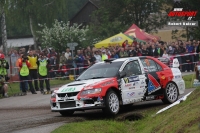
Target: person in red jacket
point(24, 75)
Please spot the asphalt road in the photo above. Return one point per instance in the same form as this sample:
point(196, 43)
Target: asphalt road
point(31, 113)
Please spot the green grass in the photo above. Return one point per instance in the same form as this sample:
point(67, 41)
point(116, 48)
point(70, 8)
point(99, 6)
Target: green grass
point(94, 126)
point(182, 118)
point(189, 79)
point(14, 87)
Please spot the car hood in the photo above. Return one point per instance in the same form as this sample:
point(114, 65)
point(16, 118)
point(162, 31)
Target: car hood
point(77, 86)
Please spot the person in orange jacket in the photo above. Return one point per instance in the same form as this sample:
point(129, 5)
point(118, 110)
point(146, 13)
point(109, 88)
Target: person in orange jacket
point(17, 65)
point(24, 75)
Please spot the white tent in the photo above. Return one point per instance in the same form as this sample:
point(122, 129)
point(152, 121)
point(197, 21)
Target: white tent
point(19, 42)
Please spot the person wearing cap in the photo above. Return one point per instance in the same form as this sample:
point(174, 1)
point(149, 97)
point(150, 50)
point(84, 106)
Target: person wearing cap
point(24, 75)
point(42, 63)
point(3, 75)
point(104, 56)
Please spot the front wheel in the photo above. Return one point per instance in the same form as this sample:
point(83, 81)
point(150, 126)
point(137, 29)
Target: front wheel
point(111, 103)
point(67, 113)
point(170, 93)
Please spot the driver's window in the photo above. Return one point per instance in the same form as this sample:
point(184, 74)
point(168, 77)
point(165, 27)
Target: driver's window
point(132, 68)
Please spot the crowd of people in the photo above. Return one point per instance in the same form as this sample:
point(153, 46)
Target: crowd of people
point(44, 64)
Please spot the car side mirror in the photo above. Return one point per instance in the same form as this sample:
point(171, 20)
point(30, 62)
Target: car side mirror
point(122, 74)
point(175, 63)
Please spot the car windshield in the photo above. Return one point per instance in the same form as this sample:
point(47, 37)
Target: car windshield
point(102, 70)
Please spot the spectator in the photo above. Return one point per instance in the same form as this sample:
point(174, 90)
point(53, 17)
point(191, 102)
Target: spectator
point(33, 68)
point(3, 75)
point(123, 53)
point(114, 55)
point(153, 52)
point(188, 60)
point(170, 50)
point(138, 50)
point(63, 59)
point(145, 52)
point(24, 73)
point(125, 43)
point(104, 55)
point(165, 55)
point(17, 65)
point(97, 56)
point(42, 63)
point(67, 53)
point(132, 52)
point(79, 61)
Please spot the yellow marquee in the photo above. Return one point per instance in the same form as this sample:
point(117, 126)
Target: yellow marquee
point(114, 40)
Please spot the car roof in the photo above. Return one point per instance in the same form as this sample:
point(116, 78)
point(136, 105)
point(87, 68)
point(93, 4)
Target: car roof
point(120, 59)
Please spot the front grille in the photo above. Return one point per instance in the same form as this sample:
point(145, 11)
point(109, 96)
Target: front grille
point(68, 94)
point(67, 104)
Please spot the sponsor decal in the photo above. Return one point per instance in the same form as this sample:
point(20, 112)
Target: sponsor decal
point(130, 94)
point(126, 80)
point(70, 89)
point(99, 98)
point(153, 84)
point(142, 86)
point(131, 79)
point(177, 77)
point(116, 39)
point(88, 87)
point(107, 83)
point(142, 82)
point(132, 88)
point(135, 83)
point(150, 97)
point(128, 85)
point(163, 77)
point(140, 93)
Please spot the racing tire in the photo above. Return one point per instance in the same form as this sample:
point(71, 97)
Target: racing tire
point(67, 113)
point(112, 105)
point(170, 93)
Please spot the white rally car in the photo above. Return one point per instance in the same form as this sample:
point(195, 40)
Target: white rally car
point(108, 85)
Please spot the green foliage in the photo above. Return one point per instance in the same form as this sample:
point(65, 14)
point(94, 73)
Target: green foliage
point(194, 31)
point(60, 34)
point(116, 16)
point(42, 11)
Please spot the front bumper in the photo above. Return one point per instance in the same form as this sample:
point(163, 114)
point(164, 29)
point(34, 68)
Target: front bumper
point(76, 105)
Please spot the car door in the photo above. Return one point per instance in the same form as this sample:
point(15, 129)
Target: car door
point(152, 70)
point(132, 86)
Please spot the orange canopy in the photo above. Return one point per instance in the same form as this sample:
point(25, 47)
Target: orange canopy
point(136, 32)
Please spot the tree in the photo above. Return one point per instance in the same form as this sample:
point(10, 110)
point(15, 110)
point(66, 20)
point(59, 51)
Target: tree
point(3, 26)
point(116, 16)
point(60, 34)
point(36, 11)
point(194, 32)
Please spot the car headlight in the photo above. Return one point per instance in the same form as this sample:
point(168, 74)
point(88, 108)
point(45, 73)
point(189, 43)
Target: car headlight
point(53, 95)
point(91, 91)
